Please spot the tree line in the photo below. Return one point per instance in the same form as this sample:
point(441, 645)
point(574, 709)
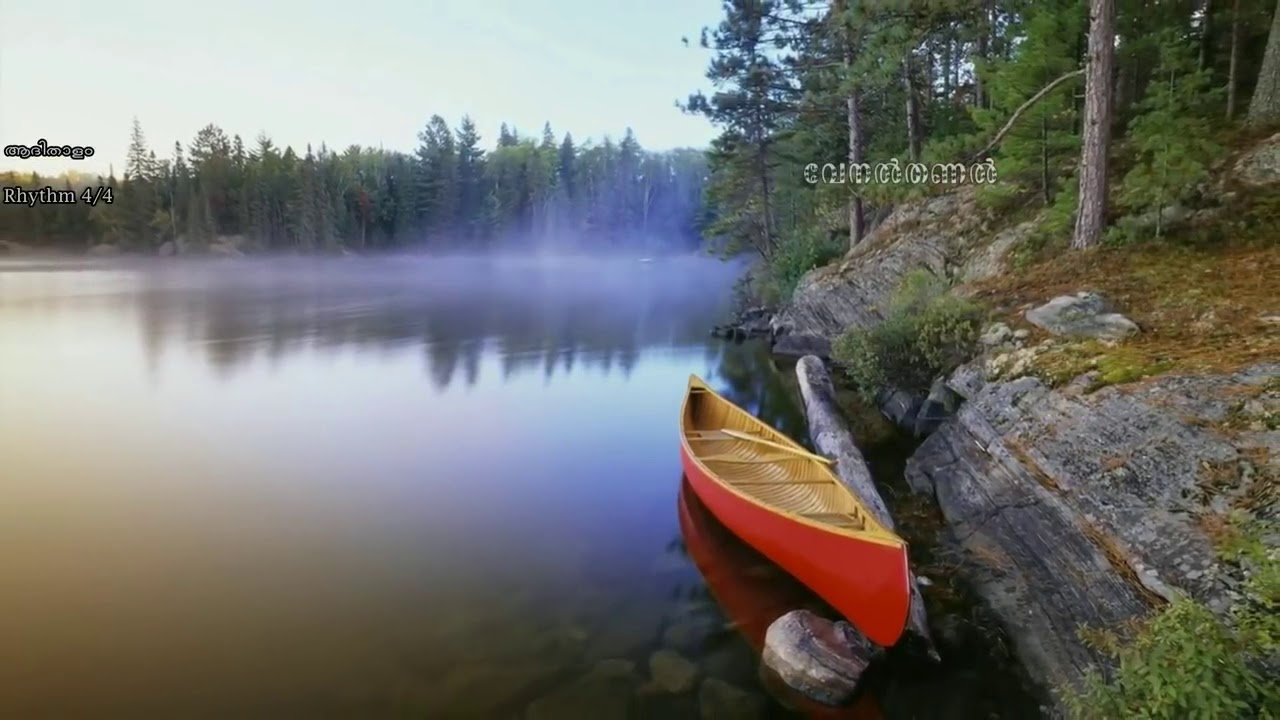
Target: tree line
point(449, 195)
point(1050, 90)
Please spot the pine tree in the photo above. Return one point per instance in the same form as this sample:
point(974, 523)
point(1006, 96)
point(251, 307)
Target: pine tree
point(753, 99)
point(566, 167)
point(1171, 134)
point(471, 193)
point(138, 195)
point(1043, 142)
point(437, 199)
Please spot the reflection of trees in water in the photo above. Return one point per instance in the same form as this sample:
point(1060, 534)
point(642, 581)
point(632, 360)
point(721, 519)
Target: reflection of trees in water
point(748, 375)
point(534, 319)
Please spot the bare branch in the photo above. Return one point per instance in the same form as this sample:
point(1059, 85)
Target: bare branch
point(1023, 108)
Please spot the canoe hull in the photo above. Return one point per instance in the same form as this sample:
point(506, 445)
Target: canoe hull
point(866, 582)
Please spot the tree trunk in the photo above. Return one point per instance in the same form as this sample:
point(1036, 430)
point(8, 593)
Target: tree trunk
point(762, 166)
point(913, 110)
point(1044, 160)
point(979, 90)
point(857, 218)
point(1091, 214)
point(1206, 33)
point(946, 70)
point(1234, 64)
point(1264, 108)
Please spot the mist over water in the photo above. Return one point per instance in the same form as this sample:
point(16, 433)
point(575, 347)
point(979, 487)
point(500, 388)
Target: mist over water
point(348, 486)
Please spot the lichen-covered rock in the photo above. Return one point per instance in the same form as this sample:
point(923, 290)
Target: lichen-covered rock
point(820, 659)
point(996, 334)
point(1084, 509)
point(1261, 164)
point(1085, 314)
point(929, 234)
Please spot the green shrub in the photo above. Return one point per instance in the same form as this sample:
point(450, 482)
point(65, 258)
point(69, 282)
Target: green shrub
point(1187, 662)
point(926, 332)
point(795, 256)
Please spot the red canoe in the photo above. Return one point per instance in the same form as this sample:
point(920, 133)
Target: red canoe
point(786, 503)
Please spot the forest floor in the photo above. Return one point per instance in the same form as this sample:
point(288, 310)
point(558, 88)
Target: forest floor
point(1205, 295)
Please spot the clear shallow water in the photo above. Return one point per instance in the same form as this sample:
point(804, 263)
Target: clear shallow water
point(411, 487)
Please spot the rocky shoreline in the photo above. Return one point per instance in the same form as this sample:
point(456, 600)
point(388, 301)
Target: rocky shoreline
point(1074, 507)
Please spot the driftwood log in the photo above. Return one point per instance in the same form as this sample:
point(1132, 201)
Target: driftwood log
point(831, 437)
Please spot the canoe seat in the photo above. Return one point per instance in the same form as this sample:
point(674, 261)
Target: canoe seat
point(761, 459)
point(836, 519)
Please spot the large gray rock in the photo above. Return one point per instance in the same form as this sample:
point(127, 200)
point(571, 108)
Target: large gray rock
point(1085, 314)
point(820, 659)
point(1082, 509)
point(167, 249)
point(945, 234)
point(104, 250)
point(941, 403)
point(1261, 164)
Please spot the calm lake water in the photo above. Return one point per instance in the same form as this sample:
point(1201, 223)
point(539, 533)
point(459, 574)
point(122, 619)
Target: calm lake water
point(429, 487)
point(357, 488)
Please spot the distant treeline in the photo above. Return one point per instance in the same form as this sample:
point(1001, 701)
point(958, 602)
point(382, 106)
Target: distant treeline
point(449, 195)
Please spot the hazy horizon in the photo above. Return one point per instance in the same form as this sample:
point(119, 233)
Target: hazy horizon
point(312, 74)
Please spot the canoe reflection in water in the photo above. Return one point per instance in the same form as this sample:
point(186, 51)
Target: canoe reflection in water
point(753, 592)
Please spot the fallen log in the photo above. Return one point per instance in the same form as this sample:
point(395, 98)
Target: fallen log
point(831, 437)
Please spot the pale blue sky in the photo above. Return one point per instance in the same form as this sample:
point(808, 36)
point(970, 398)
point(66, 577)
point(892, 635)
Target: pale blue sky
point(357, 71)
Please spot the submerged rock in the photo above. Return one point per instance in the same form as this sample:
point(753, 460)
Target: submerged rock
point(1084, 314)
point(688, 635)
point(718, 700)
point(672, 672)
point(603, 693)
point(820, 659)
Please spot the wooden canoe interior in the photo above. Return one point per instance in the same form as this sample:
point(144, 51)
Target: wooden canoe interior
point(789, 482)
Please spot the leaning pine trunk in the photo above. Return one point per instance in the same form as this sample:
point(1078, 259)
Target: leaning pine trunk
point(1092, 211)
point(830, 435)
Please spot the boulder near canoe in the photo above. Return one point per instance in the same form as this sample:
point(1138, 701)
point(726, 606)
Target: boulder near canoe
point(786, 503)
